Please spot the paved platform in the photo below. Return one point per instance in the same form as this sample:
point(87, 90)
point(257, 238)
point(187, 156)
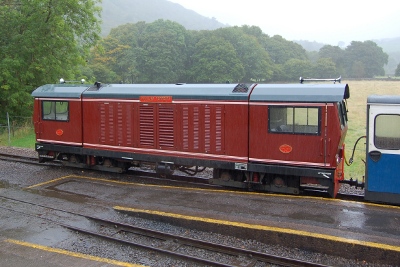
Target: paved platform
point(16, 253)
point(349, 229)
point(340, 227)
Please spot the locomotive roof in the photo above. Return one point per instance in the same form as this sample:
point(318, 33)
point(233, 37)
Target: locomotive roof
point(176, 91)
point(383, 99)
point(256, 93)
point(325, 93)
point(60, 90)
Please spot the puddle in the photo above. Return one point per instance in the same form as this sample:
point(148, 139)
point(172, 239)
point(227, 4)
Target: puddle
point(54, 193)
point(312, 217)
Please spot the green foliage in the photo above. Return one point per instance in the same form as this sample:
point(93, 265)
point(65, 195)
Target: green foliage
point(358, 60)
point(41, 41)
point(22, 133)
point(296, 68)
point(397, 73)
point(282, 50)
point(324, 67)
point(365, 59)
point(165, 52)
point(215, 61)
point(254, 58)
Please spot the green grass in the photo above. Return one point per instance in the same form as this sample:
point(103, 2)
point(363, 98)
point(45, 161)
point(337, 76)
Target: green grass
point(357, 106)
point(22, 137)
point(27, 141)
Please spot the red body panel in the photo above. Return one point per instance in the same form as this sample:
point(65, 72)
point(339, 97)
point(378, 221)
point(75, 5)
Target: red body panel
point(295, 149)
point(212, 130)
point(59, 132)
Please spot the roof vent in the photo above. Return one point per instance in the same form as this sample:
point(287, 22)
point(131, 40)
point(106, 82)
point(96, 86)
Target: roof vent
point(95, 87)
point(240, 88)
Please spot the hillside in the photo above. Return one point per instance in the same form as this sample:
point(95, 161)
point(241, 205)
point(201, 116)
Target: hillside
point(119, 12)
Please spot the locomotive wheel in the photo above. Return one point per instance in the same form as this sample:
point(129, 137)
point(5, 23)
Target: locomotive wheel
point(225, 176)
point(107, 163)
point(279, 182)
point(75, 159)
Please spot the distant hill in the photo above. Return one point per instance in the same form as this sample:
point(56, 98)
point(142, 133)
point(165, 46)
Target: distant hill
point(119, 12)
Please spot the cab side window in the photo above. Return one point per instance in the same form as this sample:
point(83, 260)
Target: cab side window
point(387, 134)
point(294, 120)
point(55, 110)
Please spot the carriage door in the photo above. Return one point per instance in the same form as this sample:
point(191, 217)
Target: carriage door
point(383, 152)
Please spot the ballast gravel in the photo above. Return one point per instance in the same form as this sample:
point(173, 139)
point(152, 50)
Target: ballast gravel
point(89, 245)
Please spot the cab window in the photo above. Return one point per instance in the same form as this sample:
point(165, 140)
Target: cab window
point(294, 120)
point(55, 110)
point(387, 134)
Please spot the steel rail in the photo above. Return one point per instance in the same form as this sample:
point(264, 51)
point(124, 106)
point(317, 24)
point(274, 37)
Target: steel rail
point(250, 255)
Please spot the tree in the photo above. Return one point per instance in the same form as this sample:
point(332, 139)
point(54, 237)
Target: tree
point(324, 68)
point(147, 53)
point(161, 56)
point(215, 61)
point(296, 68)
point(40, 42)
point(397, 72)
point(282, 50)
point(336, 54)
point(358, 70)
point(113, 62)
point(254, 58)
point(365, 58)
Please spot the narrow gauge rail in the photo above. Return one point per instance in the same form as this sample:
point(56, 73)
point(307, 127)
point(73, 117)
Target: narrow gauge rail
point(189, 180)
point(26, 159)
point(116, 228)
point(12, 157)
point(135, 172)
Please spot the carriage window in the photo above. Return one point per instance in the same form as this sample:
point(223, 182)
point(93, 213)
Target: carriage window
point(55, 110)
point(294, 120)
point(387, 134)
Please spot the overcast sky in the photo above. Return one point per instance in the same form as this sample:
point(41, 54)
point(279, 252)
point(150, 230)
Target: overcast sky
point(313, 20)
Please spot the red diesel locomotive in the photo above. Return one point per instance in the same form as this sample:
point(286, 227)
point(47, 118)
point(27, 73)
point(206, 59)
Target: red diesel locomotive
point(268, 137)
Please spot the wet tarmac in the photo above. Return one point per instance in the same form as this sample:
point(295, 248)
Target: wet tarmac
point(301, 221)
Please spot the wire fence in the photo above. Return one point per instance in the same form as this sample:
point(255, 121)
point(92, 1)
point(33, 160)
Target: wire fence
point(14, 127)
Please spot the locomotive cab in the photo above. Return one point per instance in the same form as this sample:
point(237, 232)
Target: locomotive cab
point(57, 119)
point(297, 136)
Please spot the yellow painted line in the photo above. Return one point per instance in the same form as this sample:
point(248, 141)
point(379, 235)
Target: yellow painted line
point(48, 182)
point(263, 228)
point(72, 254)
point(212, 190)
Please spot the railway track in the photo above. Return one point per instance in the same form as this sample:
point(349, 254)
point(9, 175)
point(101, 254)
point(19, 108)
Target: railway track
point(27, 160)
point(184, 179)
point(134, 172)
point(185, 249)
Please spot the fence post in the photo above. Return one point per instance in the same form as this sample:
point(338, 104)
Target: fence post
point(9, 130)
